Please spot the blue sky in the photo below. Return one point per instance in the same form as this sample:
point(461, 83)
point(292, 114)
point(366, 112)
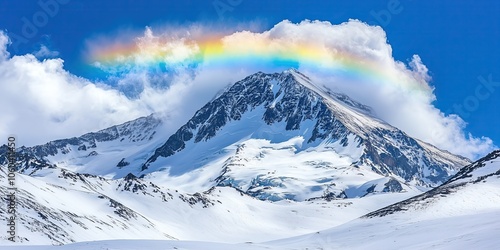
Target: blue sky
point(457, 40)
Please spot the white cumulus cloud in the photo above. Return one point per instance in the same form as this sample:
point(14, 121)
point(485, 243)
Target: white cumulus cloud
point(401, 95)
point(41, 101)
point(178, 81)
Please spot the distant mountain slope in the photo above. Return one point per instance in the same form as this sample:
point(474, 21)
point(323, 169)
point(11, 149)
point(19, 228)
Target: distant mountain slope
point(474, 187)
point(460, 214)
point(105, 152)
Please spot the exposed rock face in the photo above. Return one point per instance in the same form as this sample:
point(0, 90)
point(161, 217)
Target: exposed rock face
point(290, 98)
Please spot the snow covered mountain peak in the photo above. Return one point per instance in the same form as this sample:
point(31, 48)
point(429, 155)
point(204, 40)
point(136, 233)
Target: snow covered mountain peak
point(289, 97)
point(322, 90)
point(258, 137)
point(287, 111)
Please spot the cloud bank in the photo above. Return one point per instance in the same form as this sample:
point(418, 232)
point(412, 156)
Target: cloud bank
point(174, 72)
point(41, 101)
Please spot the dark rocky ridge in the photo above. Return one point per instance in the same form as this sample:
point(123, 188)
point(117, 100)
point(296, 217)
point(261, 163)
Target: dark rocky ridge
point(286, 99)
point(455, 183)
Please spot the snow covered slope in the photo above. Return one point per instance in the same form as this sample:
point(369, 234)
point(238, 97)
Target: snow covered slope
point(58, 207)
point(460, 214)
point(273, 156)
point(475, 187)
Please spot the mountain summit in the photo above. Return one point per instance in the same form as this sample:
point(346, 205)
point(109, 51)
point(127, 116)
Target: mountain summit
point(265, 113)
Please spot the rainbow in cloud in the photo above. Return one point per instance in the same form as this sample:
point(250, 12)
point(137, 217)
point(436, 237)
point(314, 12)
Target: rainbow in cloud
point(257, 53)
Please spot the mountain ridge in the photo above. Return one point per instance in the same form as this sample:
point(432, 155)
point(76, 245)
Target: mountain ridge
point(329, 117)
point(282, 110)
point(468, 175)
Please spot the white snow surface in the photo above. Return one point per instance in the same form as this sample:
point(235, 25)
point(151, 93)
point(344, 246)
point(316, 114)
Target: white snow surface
point(63, 208)
point(466, 217)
